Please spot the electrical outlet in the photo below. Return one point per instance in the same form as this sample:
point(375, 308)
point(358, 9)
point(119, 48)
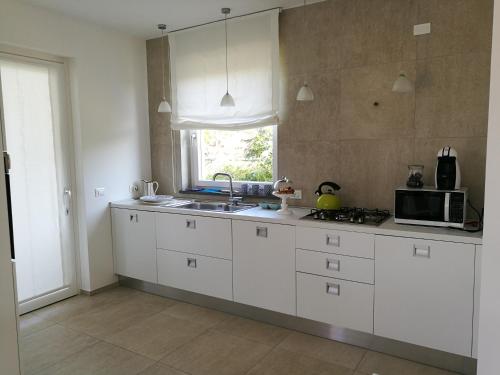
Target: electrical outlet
point(297, 194)
point(99, 192)
point(422, 29)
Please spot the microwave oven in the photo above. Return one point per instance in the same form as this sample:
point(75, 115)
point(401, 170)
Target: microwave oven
point(429, 206)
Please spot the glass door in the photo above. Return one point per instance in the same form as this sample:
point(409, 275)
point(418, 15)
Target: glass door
point(37, 137)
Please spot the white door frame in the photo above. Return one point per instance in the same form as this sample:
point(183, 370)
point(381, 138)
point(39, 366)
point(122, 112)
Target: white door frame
point(27, 55)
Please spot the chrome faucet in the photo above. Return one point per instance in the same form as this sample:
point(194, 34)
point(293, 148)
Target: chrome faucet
point(232, 199)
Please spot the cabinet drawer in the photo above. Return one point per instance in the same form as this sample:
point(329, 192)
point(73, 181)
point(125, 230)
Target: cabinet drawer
point(194, 234)
point(337, 302)
point(335, 241)
point(196, 273)
point(334, 265)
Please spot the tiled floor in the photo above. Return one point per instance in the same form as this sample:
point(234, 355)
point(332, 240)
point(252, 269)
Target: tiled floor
point(125, 332)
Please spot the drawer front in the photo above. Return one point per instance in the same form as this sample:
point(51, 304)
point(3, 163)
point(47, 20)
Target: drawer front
point(338, 242)
point(334, 265)
point(337, 302)
point(194, 234)
point(196, 273)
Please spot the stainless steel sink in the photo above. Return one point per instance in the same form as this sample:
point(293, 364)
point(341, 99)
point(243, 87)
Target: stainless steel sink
point(216, 206)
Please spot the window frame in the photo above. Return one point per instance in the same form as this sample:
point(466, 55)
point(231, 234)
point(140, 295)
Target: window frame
point(195, 161)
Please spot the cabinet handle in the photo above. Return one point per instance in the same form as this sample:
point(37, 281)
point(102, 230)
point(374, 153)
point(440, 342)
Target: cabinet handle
point(261, 232)
point(191, 262)
point(332, 240)
point(136, 217)
point(132, 217)
point(191, 224)
point(333, 264)
point(422, 253)
point(333, 289)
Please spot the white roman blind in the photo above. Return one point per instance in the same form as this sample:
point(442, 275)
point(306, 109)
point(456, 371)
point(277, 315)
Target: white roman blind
point(198, 74)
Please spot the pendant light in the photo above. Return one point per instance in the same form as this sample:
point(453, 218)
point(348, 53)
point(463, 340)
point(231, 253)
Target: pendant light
point(227, 99)
point(402, 84)
point(164, 106)
point(305, 93)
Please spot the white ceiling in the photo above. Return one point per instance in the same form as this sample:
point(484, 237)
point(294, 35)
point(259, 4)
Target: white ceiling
point(140, 17)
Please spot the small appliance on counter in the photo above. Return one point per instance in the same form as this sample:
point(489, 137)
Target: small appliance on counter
point(415, 176)
point(447, 169)
point(150, 187)
point(283, 189)
point(431, 206)
point(327, 199)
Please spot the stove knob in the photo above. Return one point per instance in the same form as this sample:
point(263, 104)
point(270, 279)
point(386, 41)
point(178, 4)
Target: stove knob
point(361, 219)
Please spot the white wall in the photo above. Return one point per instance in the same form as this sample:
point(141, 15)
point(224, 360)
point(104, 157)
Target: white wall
point(110, 119)
point(489, 323)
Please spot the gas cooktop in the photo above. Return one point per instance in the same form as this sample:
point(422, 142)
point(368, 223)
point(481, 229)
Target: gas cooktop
point(353, 215)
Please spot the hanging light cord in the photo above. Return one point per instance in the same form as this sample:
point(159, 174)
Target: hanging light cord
point(227, 72)
point(163, 61)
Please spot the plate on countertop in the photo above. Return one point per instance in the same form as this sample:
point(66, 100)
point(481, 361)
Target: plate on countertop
point(156, 199)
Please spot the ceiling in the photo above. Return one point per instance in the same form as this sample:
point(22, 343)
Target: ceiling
point(140, 17)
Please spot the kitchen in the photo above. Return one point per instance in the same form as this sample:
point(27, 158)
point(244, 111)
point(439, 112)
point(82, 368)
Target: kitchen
point(391, 83)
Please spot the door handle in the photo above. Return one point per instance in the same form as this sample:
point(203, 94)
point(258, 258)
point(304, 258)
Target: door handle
point(67, 201)
point(333, 264)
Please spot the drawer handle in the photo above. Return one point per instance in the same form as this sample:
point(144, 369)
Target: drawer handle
point(191, 262)
point(421, 253)
point(333, 265)
point(136, 217)
point(191, 224)
point(261, 232)
point(332, 240)
point(333, 289)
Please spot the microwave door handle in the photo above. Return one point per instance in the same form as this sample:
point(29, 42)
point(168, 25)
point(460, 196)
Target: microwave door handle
point(447, 207)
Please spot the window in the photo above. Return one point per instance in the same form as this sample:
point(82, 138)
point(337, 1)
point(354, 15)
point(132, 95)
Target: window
point(248, 155)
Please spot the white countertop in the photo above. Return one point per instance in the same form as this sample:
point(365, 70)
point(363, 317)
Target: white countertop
point(388, 228)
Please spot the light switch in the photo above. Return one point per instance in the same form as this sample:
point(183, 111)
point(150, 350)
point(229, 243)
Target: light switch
point(422, 29)
point(99, 192)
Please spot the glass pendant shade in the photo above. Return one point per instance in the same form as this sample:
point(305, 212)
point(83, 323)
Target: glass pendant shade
point(305, 93)
point(164, 107)
point(227, 100)
point(402, 84)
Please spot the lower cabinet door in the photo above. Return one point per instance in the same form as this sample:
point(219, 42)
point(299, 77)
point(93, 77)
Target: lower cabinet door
point(337, 302)
point(196, 273)
point(264, 265)
point(134, 244)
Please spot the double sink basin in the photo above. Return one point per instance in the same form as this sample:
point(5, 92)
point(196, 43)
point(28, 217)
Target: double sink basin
point(216, 206)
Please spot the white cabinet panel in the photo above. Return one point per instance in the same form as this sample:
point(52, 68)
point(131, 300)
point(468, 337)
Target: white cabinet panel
point(196, 273)
point(477, 292)
point(424, 292)
point(194, 234)
point(134, 244)
point(335, 241)
point(334, 265)
point(337, 302)
point(264, 265)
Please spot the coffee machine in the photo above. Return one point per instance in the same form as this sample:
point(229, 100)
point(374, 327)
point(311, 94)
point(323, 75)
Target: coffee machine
point(447, 169)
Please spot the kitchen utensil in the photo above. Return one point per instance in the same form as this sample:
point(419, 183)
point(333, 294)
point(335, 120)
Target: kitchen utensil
point(150, 187)
point(156, 199)
point(327, 200)
point(447, 169)
point(415, 176)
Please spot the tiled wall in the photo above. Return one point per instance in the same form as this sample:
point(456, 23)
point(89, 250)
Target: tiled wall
point(351, 51)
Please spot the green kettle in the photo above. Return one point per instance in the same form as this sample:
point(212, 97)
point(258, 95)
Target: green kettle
point(327, 200)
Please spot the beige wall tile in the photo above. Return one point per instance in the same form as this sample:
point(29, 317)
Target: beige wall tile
point(452, 96)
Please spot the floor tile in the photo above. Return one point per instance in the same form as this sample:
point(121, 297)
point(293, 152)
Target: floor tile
point(197, 314)
point(104, 322)
point(327, 350)
point(387, 365)
point(253, 330)
point(215, 353)
point(157, 336)
point(161, 369)
point(100, 359)
point(48, 346)
point(31, 323)
point(82, 303)
point(283, 362)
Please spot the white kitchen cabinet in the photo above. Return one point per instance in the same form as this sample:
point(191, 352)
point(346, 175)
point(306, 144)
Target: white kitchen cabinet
point(424, 292)
point(207, 236)
point(264, 265)
point(134, 244)
point(196, 273)
point(477, 292)
point(336, 241)
point(338, 302)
